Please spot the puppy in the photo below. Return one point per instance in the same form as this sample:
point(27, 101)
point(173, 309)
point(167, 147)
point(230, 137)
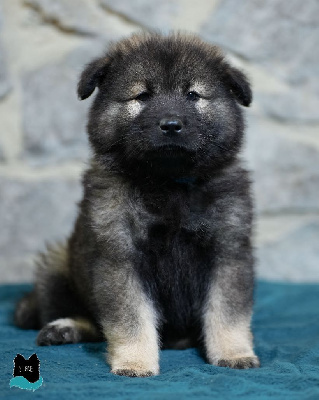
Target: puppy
point(161, 250)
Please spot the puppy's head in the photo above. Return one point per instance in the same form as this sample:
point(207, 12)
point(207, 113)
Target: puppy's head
point(165, 105)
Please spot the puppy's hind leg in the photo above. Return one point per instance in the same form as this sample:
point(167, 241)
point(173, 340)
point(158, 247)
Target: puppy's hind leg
point(60, 312)
point(68, 330)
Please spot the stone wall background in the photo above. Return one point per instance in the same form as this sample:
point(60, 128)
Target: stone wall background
point(43, 148)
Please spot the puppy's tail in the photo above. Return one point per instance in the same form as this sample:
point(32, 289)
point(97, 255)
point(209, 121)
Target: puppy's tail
point(26, 314)
point(50, 264)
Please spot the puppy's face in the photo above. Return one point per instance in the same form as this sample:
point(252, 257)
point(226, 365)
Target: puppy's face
point(165, 104)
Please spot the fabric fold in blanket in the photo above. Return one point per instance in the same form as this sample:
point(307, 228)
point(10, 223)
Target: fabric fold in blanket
point(286, 330)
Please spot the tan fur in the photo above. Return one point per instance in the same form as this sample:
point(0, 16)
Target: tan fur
point(226, 339)
point(202, 105)
point(137, 351)
point(200, 88)
point(133, 42)
point(54, 262)
point(134, 108)
point(54, 259)
point(136, 40)
point(137, 89)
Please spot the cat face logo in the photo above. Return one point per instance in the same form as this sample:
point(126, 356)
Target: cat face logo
point(26, 372)
point(29, 369)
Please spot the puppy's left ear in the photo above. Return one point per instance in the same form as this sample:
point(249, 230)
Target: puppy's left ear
point(239, 85)
point(92, 77)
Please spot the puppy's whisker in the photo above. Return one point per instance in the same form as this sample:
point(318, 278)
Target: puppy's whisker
point(223, 147)
point(114, 144)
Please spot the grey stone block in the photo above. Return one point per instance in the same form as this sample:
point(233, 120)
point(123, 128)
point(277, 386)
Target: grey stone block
point(293, 257)
point(265, 30)
point(148, 13)
point(282, 36)
point(285, 169)
point(5, 84)
point(54, 120)
point(2, 156)
point(33, 213)
point(292, 105)
point(80, 16)
point(17, 269)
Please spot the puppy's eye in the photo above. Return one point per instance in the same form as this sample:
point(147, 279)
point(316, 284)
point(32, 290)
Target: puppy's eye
point(193, 96)
point(144, 96)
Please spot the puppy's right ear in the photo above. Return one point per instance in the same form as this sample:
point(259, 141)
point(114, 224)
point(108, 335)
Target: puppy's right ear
point(92, 77)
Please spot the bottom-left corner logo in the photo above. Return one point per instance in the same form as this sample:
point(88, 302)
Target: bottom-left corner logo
point(26, 373)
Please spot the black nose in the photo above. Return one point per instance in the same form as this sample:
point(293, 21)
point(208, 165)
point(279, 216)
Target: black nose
point(170, 126)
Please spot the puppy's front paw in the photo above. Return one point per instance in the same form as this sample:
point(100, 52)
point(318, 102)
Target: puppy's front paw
point(240, 362)
point(132, 373)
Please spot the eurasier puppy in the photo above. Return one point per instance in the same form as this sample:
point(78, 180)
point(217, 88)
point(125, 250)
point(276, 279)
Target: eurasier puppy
point(161, 251)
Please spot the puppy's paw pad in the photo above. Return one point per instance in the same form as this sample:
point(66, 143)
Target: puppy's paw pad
point(55, 335)
point(240, 363)
point(132, 373)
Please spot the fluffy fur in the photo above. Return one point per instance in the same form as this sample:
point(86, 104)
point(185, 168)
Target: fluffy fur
point(161, 251)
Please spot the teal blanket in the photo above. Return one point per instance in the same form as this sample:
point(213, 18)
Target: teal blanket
point(286, 329)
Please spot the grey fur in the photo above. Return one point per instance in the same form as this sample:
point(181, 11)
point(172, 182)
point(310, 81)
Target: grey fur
point(161, 253)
